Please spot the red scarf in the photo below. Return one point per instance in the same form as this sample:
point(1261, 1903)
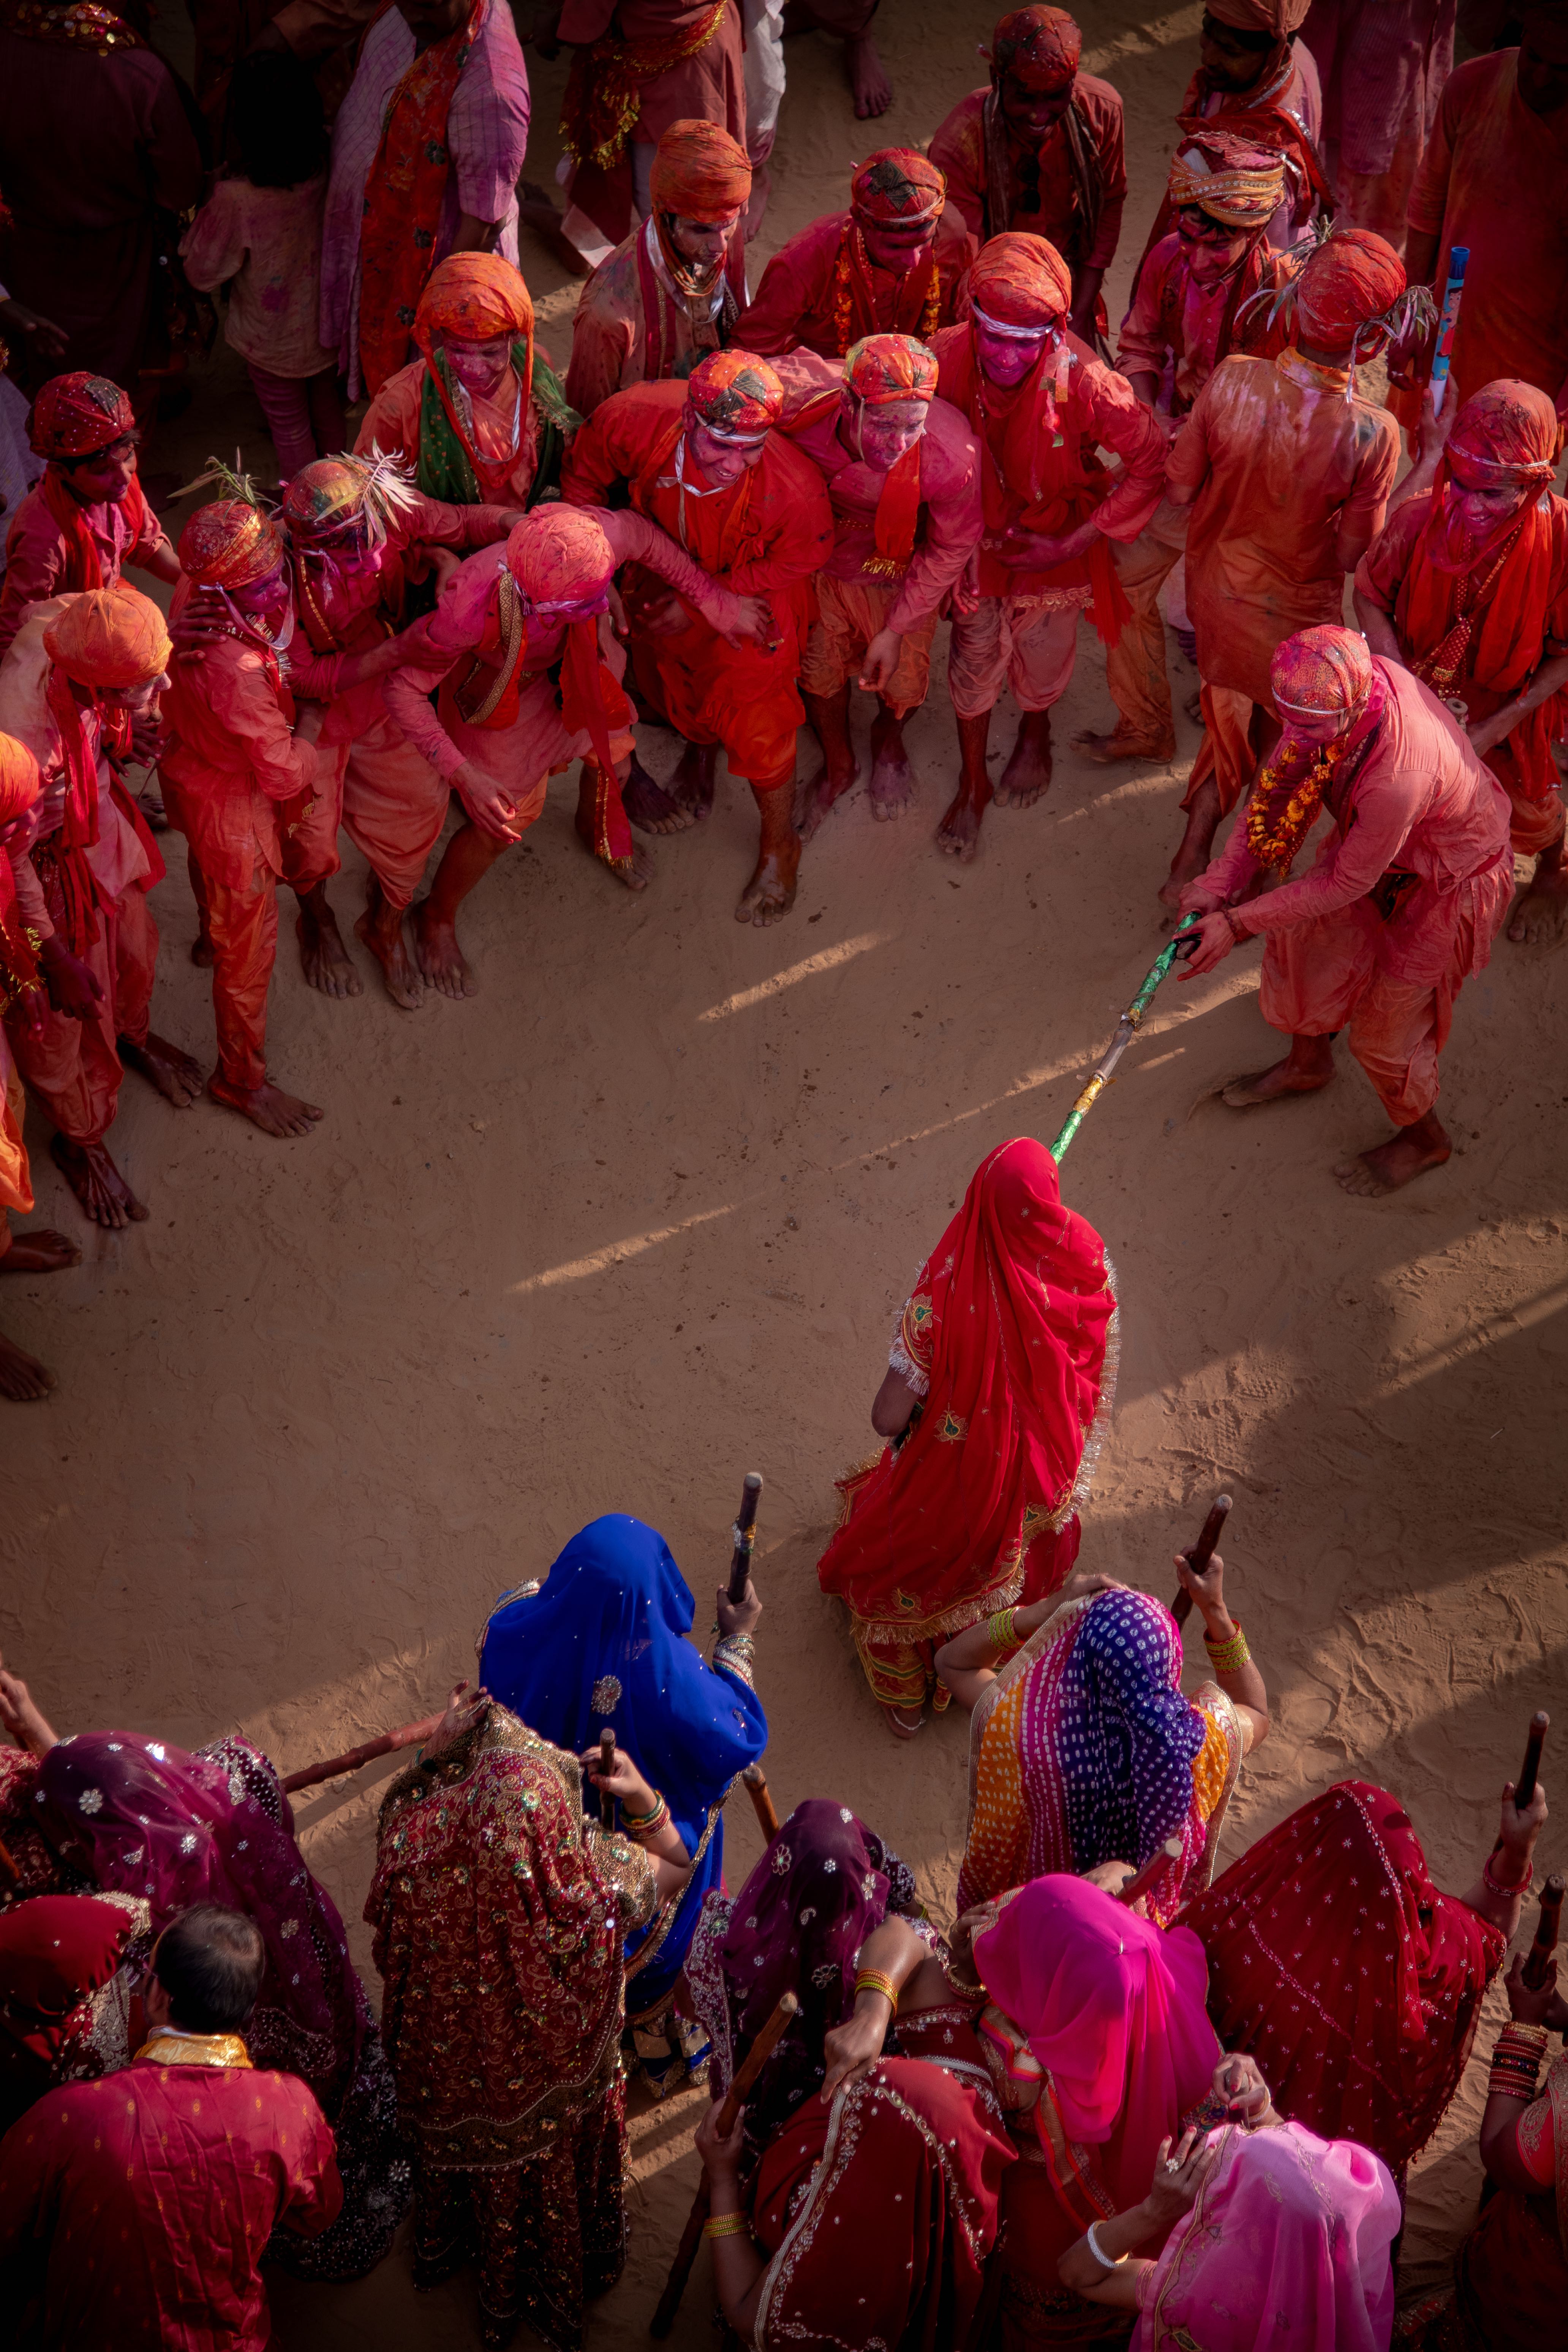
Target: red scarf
point(402, 198)
point(1487, 620)
point(84, 564)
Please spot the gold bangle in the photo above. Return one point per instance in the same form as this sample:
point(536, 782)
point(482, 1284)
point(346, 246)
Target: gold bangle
point(727, 2225)
point(873, 1980)
point(1228, 1657)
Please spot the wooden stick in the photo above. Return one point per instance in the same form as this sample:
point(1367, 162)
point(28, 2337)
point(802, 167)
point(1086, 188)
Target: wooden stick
point(407, 1735)
point(757, 2057)
point(1154, 1870)
point(8, 1864)
point(1202, 1552)
point(746, 1534)
point(1524, 1788)
point(606, 1765)
point(756, 1781)
point(1538, 1966)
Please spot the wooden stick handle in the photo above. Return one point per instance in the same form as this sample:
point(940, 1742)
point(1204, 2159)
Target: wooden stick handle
point(757, 2057)
point(756, 1781)
point(1538, 1966)
point(8, 1864)
point(407, 1735)
point(1202, 1552)
point(746, 1534)
point(1154, 1870)
point(606, 1765)
point(1524, 1787)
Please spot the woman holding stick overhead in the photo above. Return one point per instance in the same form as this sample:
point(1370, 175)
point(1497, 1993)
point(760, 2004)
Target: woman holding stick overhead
point(603, 1640)
point(995, 1405)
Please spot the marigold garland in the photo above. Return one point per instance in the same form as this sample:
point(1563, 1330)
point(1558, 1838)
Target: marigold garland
point(844, 332)
point(1274, 835)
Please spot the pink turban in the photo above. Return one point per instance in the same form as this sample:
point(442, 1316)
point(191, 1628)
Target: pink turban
point(1320, 673)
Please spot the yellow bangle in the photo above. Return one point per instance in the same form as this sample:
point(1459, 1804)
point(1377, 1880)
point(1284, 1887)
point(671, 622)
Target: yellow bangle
point(873, 1980)
point(727, 2225)
point(1228, 1657)
point(1000, 1631)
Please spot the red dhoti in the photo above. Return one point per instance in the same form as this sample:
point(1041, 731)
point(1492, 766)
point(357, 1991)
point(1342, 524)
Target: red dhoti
point(390, 799)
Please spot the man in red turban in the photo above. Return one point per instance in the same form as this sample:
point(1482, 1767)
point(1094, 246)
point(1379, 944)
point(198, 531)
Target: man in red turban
point(86, 519)
point(82, 670)
point(1287, 471)
point(902, 471)
point(1041, 406)
point(1041, 151)
point(891, 265)
point(702, 461)
point(1468, 584)
point(1406, 895)
point(675, 288)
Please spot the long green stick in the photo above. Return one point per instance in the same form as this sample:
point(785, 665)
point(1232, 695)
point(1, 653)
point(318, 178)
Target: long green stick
point(1126, 1029)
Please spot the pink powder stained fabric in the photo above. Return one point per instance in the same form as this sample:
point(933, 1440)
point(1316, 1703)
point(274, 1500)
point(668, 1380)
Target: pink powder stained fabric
point(1112, 2007)
point(1287, 2245)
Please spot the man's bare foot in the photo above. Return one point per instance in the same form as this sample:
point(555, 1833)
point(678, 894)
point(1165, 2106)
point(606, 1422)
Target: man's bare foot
point(151, 805)
point(1404, 1156)
point(1193, 707)
point(98, 1184)
point(42, 1251)
point(177, 1078)
point(1539, 912)
point(441, 959)
point(1027, 774)
point(649, 807)
point(959, 833)
point(769, 893)
point(328, 963)
point(868, 83)
point(267, 1107)
point(892, 778)
point(1123, 743)
point(23, 1380)
point(1300, 1073)
point(638, 876)
point(696, 779)
point(380, 929)
point(814, 800)
point(203, 952)
point(537, 211)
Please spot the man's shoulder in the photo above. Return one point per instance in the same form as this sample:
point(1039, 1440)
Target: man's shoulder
point(614, 284)
point(496, 42)
point(1097, 99)
point(1477, 80)
point(964, 115)
point(950, 433)
point(790, 473)
point(816, 242)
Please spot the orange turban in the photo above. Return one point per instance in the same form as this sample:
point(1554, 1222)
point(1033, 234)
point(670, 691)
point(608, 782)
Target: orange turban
point(699, 172)
point(1350, 278)
point(1037, 48)
point(20, 782)
point(229, 544)
point(735, 394)
point(898, 184)
point(1507, 435)
point(559, 555)
point(75, 415)
point(1322, 673)
point(1019, 281)
point(474, 296)
point(883, 368)
point(109, 638)
point(1280, 17)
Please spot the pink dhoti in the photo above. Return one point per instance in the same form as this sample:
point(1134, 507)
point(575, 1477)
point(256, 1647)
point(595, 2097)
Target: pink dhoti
point(849, 614)
point(522, 758)
point(1016, 642)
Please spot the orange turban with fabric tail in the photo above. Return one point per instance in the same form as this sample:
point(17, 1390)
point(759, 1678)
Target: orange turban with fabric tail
point(229, 544)
point(1038, 48)
point(700, 173)
point(108, 638)
point(1020, 281)
point(898, 184)
point(735, 395)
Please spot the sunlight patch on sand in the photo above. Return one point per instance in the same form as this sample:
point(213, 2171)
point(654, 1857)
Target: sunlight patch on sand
point(828, 958)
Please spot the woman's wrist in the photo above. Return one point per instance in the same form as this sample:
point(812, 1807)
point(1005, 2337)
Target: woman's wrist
point(1219, 1625)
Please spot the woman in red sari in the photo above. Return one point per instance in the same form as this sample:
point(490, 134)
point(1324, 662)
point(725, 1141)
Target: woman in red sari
point(1000, 1382)
point(68, 1968)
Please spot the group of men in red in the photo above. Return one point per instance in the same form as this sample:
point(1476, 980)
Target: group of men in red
point(912, 416)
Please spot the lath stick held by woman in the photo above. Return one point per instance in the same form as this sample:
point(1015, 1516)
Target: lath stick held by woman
point(1203, 1551)
point(746, 1534)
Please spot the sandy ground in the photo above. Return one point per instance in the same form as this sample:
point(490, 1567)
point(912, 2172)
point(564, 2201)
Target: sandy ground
point(317, 1413)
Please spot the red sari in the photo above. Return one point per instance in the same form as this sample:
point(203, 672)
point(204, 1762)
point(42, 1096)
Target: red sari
point(1010, 1335)
point(1336, 1962)
point(64, 1992)
point(1511, 2274)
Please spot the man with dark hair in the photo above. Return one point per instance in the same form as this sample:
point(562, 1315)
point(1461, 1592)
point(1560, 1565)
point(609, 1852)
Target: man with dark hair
point(137, 2208)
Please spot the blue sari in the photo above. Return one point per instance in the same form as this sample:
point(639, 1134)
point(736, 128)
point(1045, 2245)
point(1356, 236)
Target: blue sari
point(603, 1642)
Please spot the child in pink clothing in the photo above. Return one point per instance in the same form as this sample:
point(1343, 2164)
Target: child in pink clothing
point(260, 234)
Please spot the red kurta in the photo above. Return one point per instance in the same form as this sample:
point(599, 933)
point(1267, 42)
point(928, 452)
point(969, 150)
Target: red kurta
point(39, 556)
point(801, 300)
point(1056, 212)
point(138, 2207)
point(1195, 326)
point(708, 86)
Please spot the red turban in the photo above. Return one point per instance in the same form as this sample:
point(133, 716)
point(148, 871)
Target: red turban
point(1037, 48)
point(109, 638)
point(76, 415)
point(474, 296)
point(898, 184)
point(883, 368)
point(559, 555)
point(229, 544)
point(1507, 435)
point(1019, 281)
point(1350, 278)
point(1280, 17)
point(700, 173)
point(1320, 673)
point(20, 784)
point(735, 394)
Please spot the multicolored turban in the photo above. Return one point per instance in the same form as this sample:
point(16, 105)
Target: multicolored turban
point(735, 395)
point(880, 369)
point(333, 497)
point(1019, 282)
point(1320, 673)
point(1350, 281)
point(1236, 182)
point(474, 296)
point(229, 544)
point(700, 173)
point(75, 415)
point(1037, 49)
point(1506, 434)
point(1279, 17)
point(108, 638)
point(559, 556)
point(898, 185)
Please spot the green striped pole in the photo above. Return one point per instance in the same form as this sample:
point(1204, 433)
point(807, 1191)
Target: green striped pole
point(1126, 1029)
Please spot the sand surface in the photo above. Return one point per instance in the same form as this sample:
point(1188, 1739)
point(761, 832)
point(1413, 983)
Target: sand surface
point(318, 1413)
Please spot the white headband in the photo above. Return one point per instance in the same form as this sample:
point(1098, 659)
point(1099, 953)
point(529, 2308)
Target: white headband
point(1015, 334)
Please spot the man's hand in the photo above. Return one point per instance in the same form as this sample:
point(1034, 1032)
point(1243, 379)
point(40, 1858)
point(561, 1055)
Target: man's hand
point(464, 1708)
point(879, 661)
point(754, 625)
point(1042, 550)
point(738, 1616)
point(487, 803)
point(30, 1007)
point(665, 618)
point(1214, 942)
point(149, 739)
point(311, 719)
point(1200, 898)
point(966, 587)
point(41, 335)
point(1485, 733)
point(1525, 2007)
point(73, 988)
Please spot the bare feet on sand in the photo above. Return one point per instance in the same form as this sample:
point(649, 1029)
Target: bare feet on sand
point(869, 84)
point(42, 1251)
point(267, 1107)
point(1393, 1164)
point(1027, 777)
point(441, 959)
point(769, 893)
point(1305, 1070)
point(23, 1380)
point(328, 963)
point(1123, 743)
point(98, 1184)
point(696, 779)
point(892, 778)
point(1537, 914)
point(177, 1078)
point(637, 876)
point(958, 834)
point(649, 807)
point(380, 929)
point(828, 787)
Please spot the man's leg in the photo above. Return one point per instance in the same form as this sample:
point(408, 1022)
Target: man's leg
point(40, 1250)
point(1039, 670)
point(176, 1076)
point(309, 831)
point(519, 759)
point(599, 800)
point(1222, 775)
point(245, 938)
point(850, 22)
point(1396, 1033)
point(769, 893)
point(395, 806)
point(73, 1069)
point(1135, 664)
point(202, 947)
point(1313, 974)
point(976, 673)
point(1537, 831)
point(689, 797)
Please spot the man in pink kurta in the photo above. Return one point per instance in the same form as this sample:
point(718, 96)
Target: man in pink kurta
point(1381, 71)
point(1406, 895)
